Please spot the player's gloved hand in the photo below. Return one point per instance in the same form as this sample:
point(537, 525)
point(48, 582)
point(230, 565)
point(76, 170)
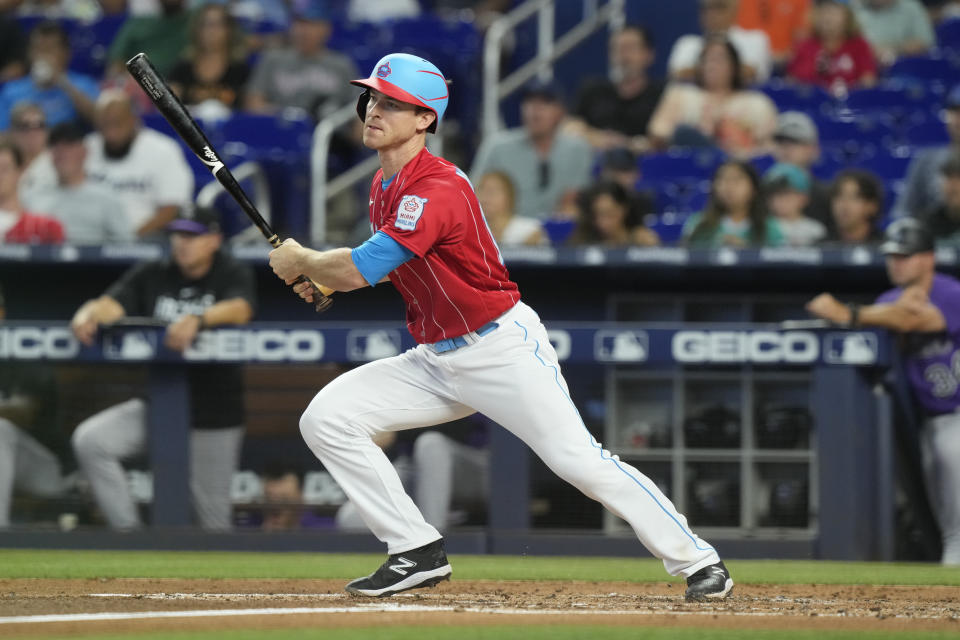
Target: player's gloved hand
point(181, 334)
point(285, 261)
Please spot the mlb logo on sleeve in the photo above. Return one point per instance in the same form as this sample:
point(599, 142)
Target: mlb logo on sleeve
point(409, 212)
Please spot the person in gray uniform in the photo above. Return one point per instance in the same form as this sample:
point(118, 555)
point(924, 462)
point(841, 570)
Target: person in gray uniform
point(199, 287)
point(924, 307)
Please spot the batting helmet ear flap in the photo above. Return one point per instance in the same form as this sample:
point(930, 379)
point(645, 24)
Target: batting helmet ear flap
point(362, 105)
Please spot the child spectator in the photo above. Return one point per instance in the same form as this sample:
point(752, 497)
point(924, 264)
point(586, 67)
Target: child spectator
point(836, 56)
point(609, 217)
point(788, 192)
point(856, 202)
point(735, 215)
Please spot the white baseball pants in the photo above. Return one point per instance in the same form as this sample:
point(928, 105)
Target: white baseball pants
point(27, 465)
point(511, 375)
point(103, 440)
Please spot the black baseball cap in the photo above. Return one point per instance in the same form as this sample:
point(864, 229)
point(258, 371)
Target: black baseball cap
point(66, 132)
point(906, 237)
point(549, 90)
point(196, 220)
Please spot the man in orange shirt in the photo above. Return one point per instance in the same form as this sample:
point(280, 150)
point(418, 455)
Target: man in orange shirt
point(785, 22)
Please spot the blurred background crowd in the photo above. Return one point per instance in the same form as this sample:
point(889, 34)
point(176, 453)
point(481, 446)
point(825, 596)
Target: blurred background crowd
point(778, 123)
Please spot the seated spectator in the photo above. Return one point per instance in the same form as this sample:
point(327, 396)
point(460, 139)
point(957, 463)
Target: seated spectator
point(17, 226)
point(13, 56)
point(895, 28)
point(923, 187)
point(213, 71)
point(497, 198)
point(786, 23)
point(79, 10)
point(306, 75)
point(796, 141)
point(198, 287)
point(718, 20)
point(856, 203)
point(89, 213)
point(62, 94)
point(836, 56)
point(943, 219)
point(788, 192)
point(143, 168)
point(717, 110)
point(610, 217)
point(543, 162)
point(163, 37)
point(735, 214)
point(28, 130)
point(616, 112)
point(283, 496)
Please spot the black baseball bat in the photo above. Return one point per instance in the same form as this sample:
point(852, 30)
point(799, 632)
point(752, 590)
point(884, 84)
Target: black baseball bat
point(186, 127)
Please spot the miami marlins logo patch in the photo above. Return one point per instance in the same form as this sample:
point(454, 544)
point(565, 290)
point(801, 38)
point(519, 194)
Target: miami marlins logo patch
point(409, 212)
point(384, 70)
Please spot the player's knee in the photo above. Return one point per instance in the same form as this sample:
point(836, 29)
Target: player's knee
point(430, 446)
point(86, 442)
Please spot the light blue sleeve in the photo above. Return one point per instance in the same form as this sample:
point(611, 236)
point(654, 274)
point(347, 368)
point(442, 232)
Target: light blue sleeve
point(378, 256)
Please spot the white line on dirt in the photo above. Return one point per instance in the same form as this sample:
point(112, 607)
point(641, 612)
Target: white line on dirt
point(372, 608)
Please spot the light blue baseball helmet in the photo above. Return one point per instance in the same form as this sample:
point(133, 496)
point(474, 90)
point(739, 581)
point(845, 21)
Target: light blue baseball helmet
point(409, 79)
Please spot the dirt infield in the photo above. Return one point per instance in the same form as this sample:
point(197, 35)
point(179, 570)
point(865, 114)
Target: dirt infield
point(159, 604)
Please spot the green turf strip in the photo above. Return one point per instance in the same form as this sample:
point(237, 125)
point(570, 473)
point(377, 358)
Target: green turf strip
point(525, 633)
point(148, 564)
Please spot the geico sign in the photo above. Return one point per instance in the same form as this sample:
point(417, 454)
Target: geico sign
point(36, 343)
point(745, 346)
point(300, 345)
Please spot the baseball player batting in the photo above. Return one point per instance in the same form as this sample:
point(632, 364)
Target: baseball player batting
point(480, 349)
point(925, 307)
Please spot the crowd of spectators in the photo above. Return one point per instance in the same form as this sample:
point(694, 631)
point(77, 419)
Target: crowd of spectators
point(575, 160)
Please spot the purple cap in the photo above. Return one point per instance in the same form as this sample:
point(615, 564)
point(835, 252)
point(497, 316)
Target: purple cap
point(196, 220)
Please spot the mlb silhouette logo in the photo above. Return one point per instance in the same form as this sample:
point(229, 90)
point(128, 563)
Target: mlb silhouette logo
point(367, 345)
point(621, 346)
point(129, 345)
point(850, 348)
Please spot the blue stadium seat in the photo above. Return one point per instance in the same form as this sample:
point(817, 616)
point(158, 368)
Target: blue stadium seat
point(948, 34)
point(798, 97)
point(558, 230)
point(854, 133)
point(929, 133)
point(686, 163)
point(270, 137)
point(89, 43)
point(888, 167)
point(669, 226)
point(928, 69)
point(897, 104)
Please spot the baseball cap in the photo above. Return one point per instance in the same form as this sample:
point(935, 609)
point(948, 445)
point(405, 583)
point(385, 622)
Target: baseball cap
point(310, 10)
point(953, 98)
point(796, 126)
point(548, 90)
point(786, 176)
point(407, 78)
point(66, 132)
point(906, 237)
point(196, 220)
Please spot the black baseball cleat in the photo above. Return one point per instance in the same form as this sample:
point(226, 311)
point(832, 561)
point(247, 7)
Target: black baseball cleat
point(425, 566)
point(713, 583)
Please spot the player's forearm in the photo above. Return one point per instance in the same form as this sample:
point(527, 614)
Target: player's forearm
point(226, 312)
point(897, 317)
point(102, 310)
point(334, 268)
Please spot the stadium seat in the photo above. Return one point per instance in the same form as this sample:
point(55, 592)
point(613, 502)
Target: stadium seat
point(797, 97)
point(851, 134)
point(929, 133)
point(948, 34)
point(928, 69)
point(686, 163)
point(558, 230)
point(266, 136)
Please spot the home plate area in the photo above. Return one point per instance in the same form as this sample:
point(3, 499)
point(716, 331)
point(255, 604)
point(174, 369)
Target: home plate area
point(40, 606)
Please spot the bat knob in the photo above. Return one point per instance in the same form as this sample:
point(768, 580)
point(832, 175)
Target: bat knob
point(321, 302)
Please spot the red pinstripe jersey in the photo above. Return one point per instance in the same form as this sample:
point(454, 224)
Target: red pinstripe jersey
point(456, 282)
